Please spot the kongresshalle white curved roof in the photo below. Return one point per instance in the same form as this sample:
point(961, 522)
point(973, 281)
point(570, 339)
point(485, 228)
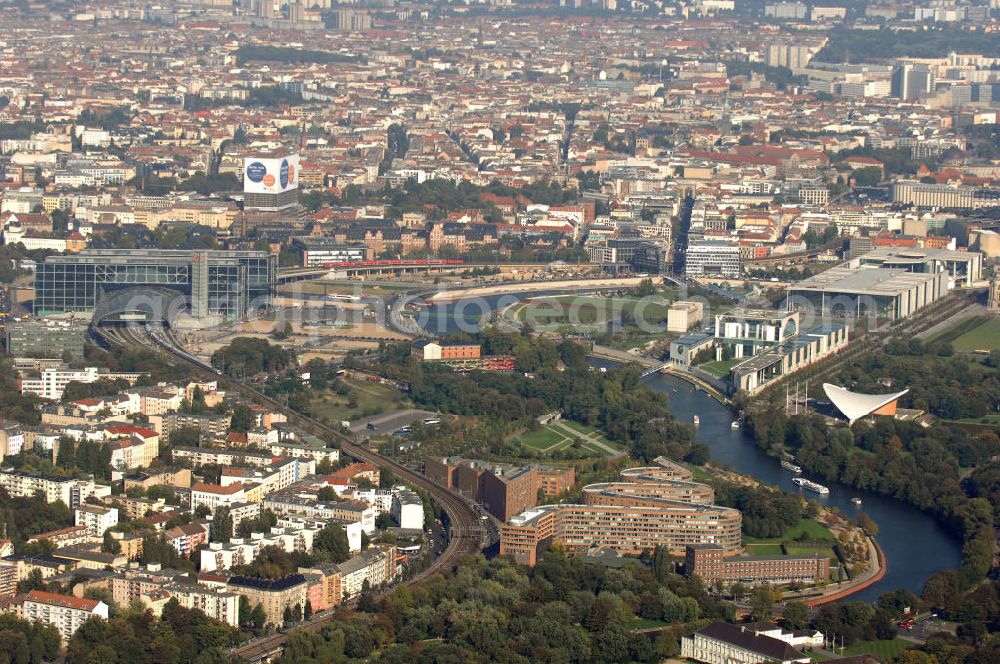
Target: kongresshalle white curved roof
point(854, 405)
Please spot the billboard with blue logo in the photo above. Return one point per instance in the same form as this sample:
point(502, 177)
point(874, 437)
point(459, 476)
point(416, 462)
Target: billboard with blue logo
point(270, 175)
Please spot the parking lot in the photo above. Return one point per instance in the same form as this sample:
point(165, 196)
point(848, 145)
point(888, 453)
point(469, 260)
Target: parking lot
point(386, 423)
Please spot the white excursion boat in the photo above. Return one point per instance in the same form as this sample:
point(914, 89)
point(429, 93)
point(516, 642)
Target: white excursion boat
point(697, 420)
point(735, 424)
point(811, 486)
point(856, 500)
point(788, 465)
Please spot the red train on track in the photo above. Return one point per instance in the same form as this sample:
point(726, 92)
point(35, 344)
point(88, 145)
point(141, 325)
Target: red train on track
point(406, 263)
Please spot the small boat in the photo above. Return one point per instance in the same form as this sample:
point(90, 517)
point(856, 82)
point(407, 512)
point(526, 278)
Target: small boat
point(788, 465)
point(856, 500)
point(811, 486)
point(697, 420)
point(735, 424)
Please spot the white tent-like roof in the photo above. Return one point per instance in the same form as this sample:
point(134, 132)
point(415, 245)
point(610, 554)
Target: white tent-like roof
point(853, 405)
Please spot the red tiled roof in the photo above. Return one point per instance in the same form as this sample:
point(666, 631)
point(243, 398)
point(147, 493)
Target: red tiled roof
point(67, 601)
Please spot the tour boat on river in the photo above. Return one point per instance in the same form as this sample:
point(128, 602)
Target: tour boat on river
point(788, 465)
point(811, 486)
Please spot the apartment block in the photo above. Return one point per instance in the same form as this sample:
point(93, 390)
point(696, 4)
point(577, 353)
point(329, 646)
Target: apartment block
point(96, 519)
point(64, 612)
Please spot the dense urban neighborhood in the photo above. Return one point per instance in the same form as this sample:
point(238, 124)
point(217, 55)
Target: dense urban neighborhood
point(440, 332)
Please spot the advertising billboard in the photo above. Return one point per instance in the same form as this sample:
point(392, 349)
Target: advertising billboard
point(270, 175)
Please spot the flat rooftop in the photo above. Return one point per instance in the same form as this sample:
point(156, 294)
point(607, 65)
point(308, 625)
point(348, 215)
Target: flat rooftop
point(875, 281)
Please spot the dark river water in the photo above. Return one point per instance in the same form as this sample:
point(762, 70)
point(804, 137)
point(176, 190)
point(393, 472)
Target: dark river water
point(915, 544)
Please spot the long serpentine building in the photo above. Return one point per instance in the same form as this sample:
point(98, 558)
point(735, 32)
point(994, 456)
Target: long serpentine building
point(647, 507)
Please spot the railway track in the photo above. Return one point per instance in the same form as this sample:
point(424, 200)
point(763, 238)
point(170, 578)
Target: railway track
point(465, 529)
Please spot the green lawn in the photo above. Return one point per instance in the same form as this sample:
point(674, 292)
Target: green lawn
point(985, 336)
point(370, 399)
point(542, 439)
point(764, 550)
point(884, 650)
point(813, 530)
point(552, 438)
point(805, 549)
point(643, 623)
point(817, 657)
point(590, 309)
point(722, 367)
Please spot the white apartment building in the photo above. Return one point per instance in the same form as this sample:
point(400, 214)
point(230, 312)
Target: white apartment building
point(64, 612)
point(97, 519)
point(376, 565)
point(379, 499)
point(53, 380)
point(407, 509)
point(275, 478)
point(299, 450)
point(215, 495)
point(214, 602)
point(71, 492)
point(291, 535)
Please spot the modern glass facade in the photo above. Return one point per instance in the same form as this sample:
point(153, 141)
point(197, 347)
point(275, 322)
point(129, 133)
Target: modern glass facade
point(226, 283)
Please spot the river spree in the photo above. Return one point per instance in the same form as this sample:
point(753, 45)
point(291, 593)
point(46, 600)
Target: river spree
point(915, 544)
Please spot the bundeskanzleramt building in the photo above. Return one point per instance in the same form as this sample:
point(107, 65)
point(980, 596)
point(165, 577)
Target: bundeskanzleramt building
point(649, 507)
point(224, 283)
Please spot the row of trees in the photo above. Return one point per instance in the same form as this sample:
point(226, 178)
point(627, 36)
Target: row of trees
point(248, 356)
point(895, 458)
point(136, 637)
point(617, 402)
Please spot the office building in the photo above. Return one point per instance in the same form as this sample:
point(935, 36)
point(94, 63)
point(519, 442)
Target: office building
point(963, 268)
point(887, 282)
point(222, 283)
point(786, 10)
point(708, 562)
point(271, 181)
point(713, 258)
point(961, 197)
point(352, 20)
point(502, 489)
point(912, 80)
point(318, 251)
point(790, 56)
point(64, 612)
point(45, 338)
point(648, 507)
point(853, 292)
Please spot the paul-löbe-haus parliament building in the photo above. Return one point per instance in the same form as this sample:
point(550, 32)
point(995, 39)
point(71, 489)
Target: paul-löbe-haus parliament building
point(216, 283)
